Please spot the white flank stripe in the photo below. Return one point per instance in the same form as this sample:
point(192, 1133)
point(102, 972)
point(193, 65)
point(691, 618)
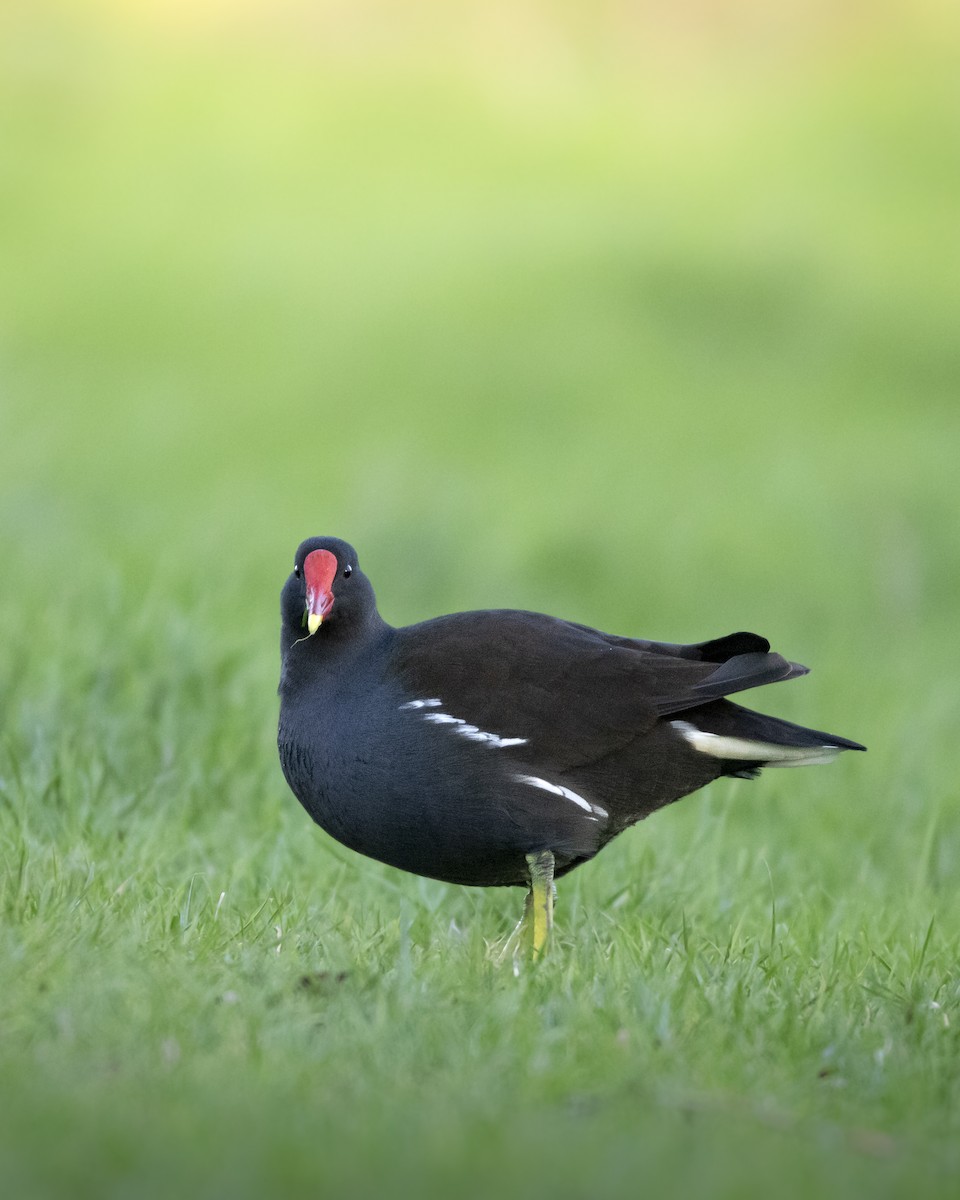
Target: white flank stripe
point(567, 793)
point(421, 704)
point(458, 725)
point(744, 750)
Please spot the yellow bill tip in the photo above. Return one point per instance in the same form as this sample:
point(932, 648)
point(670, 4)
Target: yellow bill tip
point(314, 621)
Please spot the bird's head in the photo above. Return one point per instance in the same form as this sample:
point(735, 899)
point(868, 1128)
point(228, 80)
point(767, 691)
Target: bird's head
point(325, 593)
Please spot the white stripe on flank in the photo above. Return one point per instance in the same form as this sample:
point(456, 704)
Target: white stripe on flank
point(458, 725)
point(744, 750)
point(567, 793)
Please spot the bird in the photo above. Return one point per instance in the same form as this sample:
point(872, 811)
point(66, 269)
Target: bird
point(502, 747)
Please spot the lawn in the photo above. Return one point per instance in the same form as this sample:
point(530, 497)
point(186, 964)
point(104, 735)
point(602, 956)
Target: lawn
point(661, 342)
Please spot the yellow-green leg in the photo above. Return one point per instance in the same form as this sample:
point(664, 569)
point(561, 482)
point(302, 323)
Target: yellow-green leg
point(540, 899)
point(537, 920)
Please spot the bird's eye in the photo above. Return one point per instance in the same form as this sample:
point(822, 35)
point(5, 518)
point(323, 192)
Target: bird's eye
point(296, 570)
point(347, 571)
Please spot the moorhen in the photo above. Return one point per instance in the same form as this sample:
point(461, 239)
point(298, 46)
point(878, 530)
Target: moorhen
point(505, 747)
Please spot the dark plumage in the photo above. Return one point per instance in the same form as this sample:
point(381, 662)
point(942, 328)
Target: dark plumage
point(501, 747)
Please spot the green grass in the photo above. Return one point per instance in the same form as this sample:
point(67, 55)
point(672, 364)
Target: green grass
point(670, 355)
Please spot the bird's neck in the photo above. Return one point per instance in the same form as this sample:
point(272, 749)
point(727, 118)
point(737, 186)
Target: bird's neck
point(333, 648)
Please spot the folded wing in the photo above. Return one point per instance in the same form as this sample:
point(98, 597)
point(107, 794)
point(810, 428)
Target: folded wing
point(566, 694)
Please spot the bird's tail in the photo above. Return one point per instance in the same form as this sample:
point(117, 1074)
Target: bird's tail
point(748, 740)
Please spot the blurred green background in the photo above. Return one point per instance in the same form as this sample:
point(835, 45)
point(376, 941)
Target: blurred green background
point(638, 313)
point(645, 315)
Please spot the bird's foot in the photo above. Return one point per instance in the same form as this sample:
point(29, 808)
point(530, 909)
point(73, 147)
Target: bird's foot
point(518, 941)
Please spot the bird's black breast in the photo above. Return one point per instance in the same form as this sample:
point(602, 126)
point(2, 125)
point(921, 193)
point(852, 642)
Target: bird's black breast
point(417, 787)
